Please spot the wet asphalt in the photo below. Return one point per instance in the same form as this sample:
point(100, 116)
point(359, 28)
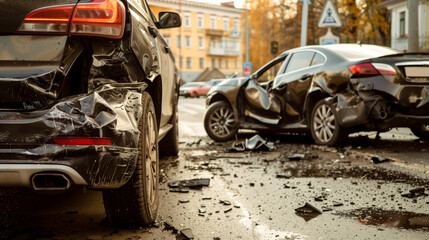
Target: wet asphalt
point(326, 193)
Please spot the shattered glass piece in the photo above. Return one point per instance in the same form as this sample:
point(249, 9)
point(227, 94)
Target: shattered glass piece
point(337, 204)
point(180, 190)
point(191, 183)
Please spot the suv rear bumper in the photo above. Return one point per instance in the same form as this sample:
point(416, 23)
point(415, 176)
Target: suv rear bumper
point(21, 174)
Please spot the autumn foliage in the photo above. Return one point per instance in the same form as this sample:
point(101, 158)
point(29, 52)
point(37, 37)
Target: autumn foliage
point(280, 20)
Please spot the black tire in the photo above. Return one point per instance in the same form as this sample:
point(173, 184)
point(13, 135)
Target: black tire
point(136, 203)
point(422, 132)
point(195, 95)
point(324, 125)
point(169, 145)
point(220, 122)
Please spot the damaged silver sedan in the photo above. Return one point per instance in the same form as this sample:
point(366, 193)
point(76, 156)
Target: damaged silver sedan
point(88, 89)
point(328, 91)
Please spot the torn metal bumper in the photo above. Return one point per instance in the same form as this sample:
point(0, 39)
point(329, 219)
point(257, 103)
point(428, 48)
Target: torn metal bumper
point(112, 111)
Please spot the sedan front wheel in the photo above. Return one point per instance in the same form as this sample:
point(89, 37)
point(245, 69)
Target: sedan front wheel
point(324, 124)
point(219, 122)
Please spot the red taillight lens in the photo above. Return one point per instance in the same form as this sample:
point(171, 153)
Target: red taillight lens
point(50, 20)
point(363, 69)
point(103, 18)
point(82, 141)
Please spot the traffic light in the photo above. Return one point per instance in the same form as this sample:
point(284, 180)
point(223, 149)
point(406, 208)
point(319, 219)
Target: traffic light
point(274, 47)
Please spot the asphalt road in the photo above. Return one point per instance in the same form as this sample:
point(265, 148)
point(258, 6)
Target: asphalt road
point(254, 195)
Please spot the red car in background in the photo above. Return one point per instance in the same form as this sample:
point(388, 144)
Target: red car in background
point(202, 90)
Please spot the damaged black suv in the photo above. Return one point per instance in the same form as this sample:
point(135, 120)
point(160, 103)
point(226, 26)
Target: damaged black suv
point(89, 93)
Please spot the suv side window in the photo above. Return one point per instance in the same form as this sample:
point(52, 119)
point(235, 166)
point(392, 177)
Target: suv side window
point(299, 60)
point(318, 59)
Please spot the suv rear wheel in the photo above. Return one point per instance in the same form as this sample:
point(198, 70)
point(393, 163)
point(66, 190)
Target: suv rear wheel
point(136, 203)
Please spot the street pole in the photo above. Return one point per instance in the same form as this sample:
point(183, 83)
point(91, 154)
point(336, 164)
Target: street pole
point(304, 23)
point(413, 26)
point(246, 57)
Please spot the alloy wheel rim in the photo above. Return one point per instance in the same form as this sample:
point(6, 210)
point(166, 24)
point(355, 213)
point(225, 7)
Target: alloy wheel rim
point(151, 159)
point(222, 122)
point(324, 123)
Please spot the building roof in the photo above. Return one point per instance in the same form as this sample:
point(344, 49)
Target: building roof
point(202, 5)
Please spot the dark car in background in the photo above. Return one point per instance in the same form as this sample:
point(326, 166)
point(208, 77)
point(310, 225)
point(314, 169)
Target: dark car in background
point(89, 93)
point(330, 91)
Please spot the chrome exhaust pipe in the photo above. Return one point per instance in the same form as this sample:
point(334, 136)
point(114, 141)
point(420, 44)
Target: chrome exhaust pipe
point(50, 181)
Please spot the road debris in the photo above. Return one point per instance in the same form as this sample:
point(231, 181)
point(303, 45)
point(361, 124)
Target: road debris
point(185, 234)
point(415, 193)
point(378, 159)
point(284, 175)
point(225, 202)
point(307, 212)
point(296, 157)
point(191, 183)
point(170, 227)
point(179, 190)
point(254, 143)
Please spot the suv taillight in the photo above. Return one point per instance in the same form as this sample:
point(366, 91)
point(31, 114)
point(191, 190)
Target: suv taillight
point(103, 18)
point(368, 69)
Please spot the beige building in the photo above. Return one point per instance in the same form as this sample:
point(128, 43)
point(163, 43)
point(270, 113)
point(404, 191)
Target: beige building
point(211, 37)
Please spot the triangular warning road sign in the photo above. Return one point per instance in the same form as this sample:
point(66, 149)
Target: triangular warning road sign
point(329, 17)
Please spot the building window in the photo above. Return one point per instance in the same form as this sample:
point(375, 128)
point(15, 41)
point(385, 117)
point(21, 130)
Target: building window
point(212, 22)
point(212, 43)
point(236, 64)
point(187, 20)
point(227, 64)
point(225, 23)
point(202, 63)
point(167, 40)
point(402, 24)
point(179, 41)
point(220, 63)
point(213, 63)
point(200, 20)
point(189, 62)
point(236, 24)
point(201, 43)
point(181, 62)
point(188, 42)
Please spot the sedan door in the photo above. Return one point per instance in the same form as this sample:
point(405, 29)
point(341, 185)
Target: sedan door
point(295, 79)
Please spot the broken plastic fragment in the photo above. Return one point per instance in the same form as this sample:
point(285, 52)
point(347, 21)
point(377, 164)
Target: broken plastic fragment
point(254, 143)
point(185, 234)
point(378, 159)
point(308, 212)
point(284, 175)
point(416, 192)
point(296, 157)
point(192, 183)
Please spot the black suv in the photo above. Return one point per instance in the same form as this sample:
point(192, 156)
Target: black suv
point(89, 93)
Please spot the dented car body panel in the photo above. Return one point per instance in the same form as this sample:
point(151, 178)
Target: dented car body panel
point(55, 85)
point(379, 100)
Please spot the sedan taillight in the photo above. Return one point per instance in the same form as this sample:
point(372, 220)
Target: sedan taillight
point(368, 69)
point(103, 18)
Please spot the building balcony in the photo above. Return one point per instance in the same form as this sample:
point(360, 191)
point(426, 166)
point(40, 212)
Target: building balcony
point(214, 32)
point(223, 52)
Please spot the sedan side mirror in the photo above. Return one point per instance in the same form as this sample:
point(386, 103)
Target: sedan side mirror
point(168, 20)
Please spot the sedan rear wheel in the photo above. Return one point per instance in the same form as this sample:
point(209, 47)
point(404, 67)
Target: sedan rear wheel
point(422, 131)
point(325, 127)
point(219, 121)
